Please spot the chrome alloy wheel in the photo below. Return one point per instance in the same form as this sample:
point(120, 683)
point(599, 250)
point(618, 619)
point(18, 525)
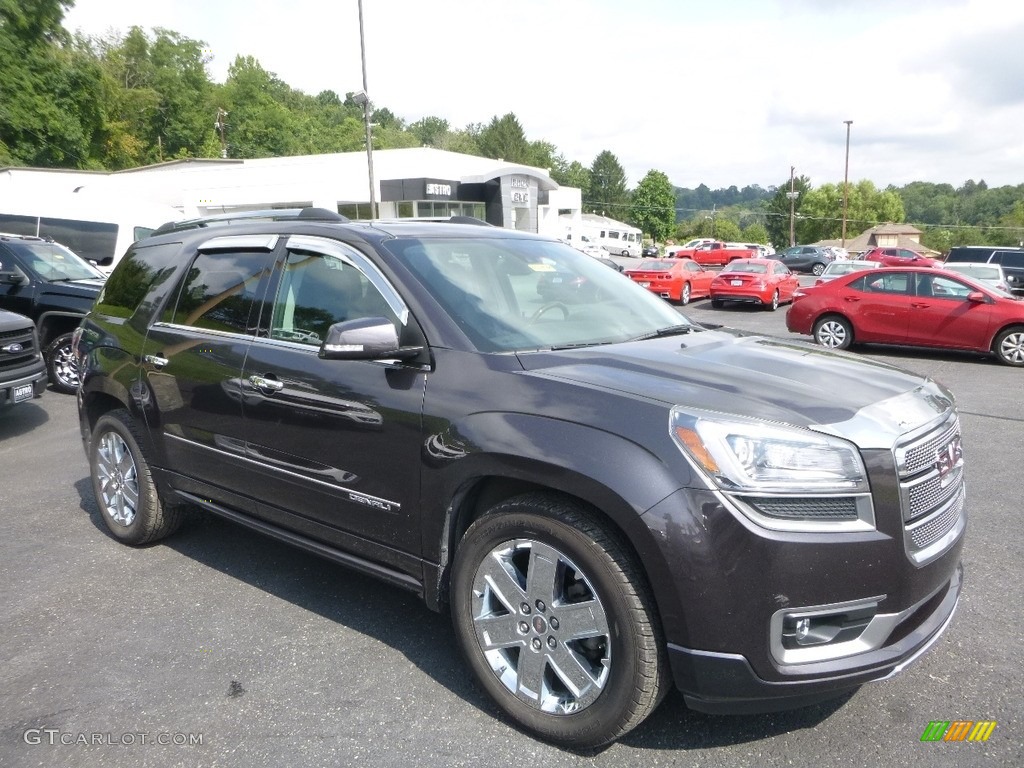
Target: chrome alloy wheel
point(118, 479)
point(541, 626)
point(832, 334)
point(1011, 348)
point(65, 367)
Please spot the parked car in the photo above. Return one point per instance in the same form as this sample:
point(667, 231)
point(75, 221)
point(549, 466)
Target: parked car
point(677, 280)
point(650, 251)
point(916, 307)
point(22, 369)
point(990, 274)
point(754, 281)
point(1011, 260)
point(689, 245)
point(607, 498)
point(805, 258)
point(838, 268)
point(899, 257)
point(47, 282)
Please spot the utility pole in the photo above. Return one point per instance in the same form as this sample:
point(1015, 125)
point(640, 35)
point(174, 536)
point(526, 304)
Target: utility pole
point(366, 118)
point(846, 177)
point(221, 126)
point(792, 208)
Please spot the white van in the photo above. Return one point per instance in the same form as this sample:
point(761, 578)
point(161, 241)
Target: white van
point(97, 227)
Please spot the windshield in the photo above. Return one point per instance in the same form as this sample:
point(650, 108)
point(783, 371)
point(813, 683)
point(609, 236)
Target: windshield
point(511, 295)
point(54, 262)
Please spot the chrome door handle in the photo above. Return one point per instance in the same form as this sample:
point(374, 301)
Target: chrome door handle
point(266, 385)
point(155, 360)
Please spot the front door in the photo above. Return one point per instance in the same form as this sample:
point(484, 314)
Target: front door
point(339, 440)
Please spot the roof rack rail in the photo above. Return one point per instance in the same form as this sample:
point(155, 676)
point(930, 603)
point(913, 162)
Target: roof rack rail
point(273, 214)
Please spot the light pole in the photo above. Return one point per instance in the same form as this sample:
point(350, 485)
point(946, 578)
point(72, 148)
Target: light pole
point(362, 97)
point(846, 178)
point(792, 208)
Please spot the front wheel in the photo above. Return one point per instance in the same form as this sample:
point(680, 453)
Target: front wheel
point(833, 332)
point(121, 479)
point(557, 622)
point(61, 365)
point(1009, 346)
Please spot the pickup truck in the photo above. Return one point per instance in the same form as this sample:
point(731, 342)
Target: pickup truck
point(716, 253)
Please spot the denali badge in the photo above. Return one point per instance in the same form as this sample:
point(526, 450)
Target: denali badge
point(947, 457)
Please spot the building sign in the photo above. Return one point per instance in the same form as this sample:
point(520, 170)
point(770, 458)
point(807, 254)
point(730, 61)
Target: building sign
point(419, 189)
point(520, 190)
point(433, 188)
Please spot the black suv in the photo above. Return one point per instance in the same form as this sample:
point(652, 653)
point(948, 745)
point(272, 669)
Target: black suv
point(608, 498)
point(22, 370)
point(45, 281)
point(1010, 259)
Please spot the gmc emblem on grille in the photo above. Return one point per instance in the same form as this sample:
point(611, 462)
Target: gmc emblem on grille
point(948, 456)
point(13, 349)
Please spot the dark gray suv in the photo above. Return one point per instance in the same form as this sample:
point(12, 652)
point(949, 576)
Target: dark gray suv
point(805, 258)
point(1010, 259)
point(608, 498)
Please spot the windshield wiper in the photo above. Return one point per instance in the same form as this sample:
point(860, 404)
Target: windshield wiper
point(671, 330)
point(578, 345)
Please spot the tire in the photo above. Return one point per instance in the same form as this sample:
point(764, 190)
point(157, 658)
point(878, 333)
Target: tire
point(1009, 346)
point(717, 303)
point(506, 607)
point(61, 365)
point(817, 269)
point(834, 332)
point(774, 303)
point(684, 294)
point(129, 503)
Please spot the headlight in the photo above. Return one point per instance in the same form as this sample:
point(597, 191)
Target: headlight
point(780, 476)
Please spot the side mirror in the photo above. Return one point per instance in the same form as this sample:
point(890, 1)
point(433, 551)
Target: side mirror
point(11, 277)
point(368, 338)
point(978, 297)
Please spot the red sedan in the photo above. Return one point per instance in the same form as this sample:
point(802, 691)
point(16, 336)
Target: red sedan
point(674, 279)
point(917, 307)
point(754, 281)
point(899, 257)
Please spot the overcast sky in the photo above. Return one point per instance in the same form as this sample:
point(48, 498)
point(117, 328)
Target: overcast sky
point(719, 92)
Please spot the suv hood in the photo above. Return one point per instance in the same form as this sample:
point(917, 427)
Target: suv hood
point(85, 289)
point(792, 382)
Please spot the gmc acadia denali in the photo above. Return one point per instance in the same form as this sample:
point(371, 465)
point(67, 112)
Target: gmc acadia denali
point(608, 498)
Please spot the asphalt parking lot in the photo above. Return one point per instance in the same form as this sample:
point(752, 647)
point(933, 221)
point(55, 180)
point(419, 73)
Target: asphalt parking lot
point(219, 647)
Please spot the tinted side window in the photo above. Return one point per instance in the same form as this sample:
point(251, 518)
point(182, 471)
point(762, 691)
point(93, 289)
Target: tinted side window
point(318, 290)
point(219, 291)
point(1012, 259)
point(93, 240)
point(141, 270)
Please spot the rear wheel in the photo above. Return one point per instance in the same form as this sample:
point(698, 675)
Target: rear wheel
point(817, 269)
point(774, 303)
point(1009, 346)
point(834, 332)
point(557, 622)
point(61, 365)
point(684, 294)
point(717, 303)
point(121, 479)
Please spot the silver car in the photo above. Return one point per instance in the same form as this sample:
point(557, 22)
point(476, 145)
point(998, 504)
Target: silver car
point(989, 274)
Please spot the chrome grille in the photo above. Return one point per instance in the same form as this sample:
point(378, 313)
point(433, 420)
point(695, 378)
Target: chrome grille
point(932, 491)
point(920, 455)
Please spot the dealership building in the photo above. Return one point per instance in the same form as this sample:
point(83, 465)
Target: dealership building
point(416, 182)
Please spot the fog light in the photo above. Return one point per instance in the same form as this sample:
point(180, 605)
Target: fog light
point(800, 630)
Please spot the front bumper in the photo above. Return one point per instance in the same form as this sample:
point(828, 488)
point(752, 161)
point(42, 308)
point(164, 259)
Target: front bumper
point(725, 683)
point(36, 379)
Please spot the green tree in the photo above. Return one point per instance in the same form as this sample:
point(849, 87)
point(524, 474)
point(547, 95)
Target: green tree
point(573, 174)
point(777, 212)
point(653, 207)
point(756, 233)
point(608, 192)
point(504, 139)
point(822, 210)
point(259, 125)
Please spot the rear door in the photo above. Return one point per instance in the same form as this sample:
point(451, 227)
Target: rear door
point(879, 305)
point(192, 361)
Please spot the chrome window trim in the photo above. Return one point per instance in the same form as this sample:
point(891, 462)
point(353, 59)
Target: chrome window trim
point(239, 242)
point(356, 259)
